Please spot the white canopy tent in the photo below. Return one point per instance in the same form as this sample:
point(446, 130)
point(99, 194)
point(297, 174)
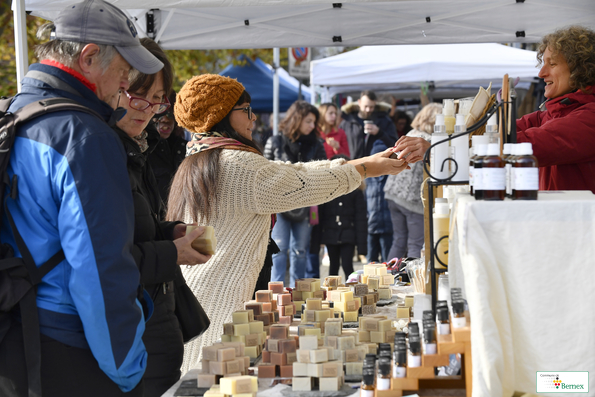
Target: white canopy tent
point(203, 24)
point(411, 66)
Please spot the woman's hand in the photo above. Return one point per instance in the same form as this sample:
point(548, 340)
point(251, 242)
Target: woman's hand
point(332, 142)
point(379, 164)
point(415, 147)
point(186, 254)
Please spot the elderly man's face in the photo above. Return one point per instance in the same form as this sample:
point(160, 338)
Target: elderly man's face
point(366, 106)
point(110, 82)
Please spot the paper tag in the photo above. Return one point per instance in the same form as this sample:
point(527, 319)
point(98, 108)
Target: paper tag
point(430, 348)
point(508, 168)
point(459, 322)
point(399, 372)
point(477, 179)
point(444, 329)
point(526, 178)
point(494, 178)
point(414, 361)
point(382, 383)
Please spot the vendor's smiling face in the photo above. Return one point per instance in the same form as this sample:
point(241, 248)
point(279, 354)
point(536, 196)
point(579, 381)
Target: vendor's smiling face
point(556, 74)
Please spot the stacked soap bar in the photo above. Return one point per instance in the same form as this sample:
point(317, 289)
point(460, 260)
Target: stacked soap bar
point(307, 288)
point(346, 303)
point(244, 386)
point(317, 311)
point(404, 310)
point(331, 283)
point(316, 366)
point(222, 359)
point(279, 354)
point(377, 278)
point(376, 329)
point(345, 347)
point(245, 329)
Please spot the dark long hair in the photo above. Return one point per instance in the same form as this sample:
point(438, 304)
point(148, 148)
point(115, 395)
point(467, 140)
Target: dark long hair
point(195, 183)
point(290, 125)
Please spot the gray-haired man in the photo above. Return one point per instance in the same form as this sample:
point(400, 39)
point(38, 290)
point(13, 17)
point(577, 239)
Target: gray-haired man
point(74, 195)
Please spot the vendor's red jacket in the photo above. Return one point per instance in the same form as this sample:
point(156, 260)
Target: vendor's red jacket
point(563, 139)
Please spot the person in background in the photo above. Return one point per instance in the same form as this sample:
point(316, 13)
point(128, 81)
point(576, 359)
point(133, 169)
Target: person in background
point(170, 150)
point(366, 122)
point(297, 143)
point(335, 140)
point(343, 226)
point(402, 122)
point(380, 228)
point(227, 183)
point(159, 247)
point(563, 136)
point(74, 197)
point(403, 194)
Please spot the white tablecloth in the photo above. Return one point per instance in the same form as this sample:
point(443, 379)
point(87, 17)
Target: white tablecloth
point(528, 273)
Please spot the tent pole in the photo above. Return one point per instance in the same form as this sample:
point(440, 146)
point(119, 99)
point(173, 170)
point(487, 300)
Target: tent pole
point(20, 40)
point(276, 62)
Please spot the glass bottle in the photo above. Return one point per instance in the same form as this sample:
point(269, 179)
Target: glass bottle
point(430, 339)
point(506, 154)
point(448, 110)
point(494, 174)
point(526, 173)
point(367, 389)
point(476, 140)
point(482, 150)
point(383, 378)
point(414, 359)
point(400, 362)
point(443, 322)
point(458, 314)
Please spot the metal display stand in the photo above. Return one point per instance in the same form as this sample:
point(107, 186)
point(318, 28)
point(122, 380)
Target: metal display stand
point(509, 137)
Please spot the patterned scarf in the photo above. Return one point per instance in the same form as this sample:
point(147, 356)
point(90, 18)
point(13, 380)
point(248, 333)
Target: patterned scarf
point(214, 140)
point(141, 140)
point(203, 141)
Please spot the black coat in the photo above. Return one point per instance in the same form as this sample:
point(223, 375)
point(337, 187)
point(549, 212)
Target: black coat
point(360, 144)
point(343, 221)
point(165, 160)
point(156, 256)
point(306, 148)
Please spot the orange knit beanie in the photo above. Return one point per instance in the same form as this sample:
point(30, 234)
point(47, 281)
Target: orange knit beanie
point(205, 100)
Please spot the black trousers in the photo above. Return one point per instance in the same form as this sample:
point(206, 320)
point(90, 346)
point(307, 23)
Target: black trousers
point(340, 255)
point(65, 370)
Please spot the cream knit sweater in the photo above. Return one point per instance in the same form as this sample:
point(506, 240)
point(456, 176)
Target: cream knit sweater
point(250, 189)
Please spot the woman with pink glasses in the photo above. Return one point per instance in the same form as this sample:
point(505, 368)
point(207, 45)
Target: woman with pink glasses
point(159, 247)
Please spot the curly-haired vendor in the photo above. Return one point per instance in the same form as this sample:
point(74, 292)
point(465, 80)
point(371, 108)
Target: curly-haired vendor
point(563, 136)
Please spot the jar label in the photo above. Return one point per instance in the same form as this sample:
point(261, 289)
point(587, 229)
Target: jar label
point(494, 178)
point(526, 178)
point(459, 322)
point(382, 384)
point(399, 372)
point(430, 348)
point(508, 168)
point(366, 393)
point(414, 361)
point(477, 179)
point(444, 329)
point(471, 172)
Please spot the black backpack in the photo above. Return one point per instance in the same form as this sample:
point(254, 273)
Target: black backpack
point(20, 276)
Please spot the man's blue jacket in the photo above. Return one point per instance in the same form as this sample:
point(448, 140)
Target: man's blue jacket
point(74, 194)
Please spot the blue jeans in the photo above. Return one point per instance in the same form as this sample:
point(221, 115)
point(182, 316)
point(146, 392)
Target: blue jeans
point(292, 238)
point(379, 245)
